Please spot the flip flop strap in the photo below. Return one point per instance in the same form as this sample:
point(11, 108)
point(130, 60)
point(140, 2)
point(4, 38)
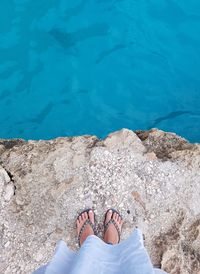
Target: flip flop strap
point(116, 226)
point(87, 222)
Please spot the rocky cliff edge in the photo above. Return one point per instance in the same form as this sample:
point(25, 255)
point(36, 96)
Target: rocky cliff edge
point(152, 177)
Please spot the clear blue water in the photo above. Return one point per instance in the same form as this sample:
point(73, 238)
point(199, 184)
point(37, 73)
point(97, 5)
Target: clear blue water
point(70, 67)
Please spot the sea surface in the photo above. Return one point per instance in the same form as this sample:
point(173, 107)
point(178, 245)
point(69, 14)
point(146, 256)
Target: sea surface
point(71, 67)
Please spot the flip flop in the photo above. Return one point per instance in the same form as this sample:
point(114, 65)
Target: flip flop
point(112, 221)
point(87, 222)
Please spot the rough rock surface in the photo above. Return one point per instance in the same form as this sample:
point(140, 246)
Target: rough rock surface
point(152, 177)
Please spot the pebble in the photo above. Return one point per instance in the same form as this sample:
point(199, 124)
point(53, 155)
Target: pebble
point(38, 257)
point(7, 244)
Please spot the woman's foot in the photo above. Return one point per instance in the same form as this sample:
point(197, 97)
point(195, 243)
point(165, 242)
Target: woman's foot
point(83, 224)
point(112, 234)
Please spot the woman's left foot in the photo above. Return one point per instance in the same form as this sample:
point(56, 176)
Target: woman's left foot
point(113, 226)
point(84, 227)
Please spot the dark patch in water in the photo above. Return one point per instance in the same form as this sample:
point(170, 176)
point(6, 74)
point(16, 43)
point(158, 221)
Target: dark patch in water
point(170, 116)
point(43, 114)
point(64, 90)
point(21, 131)
point(83, 91)
point(71, 39)
point(105, 53)
point(19, 123)
point(66, 102)
point(123, 116)
point(8, 102)
point(7, 73)
point(26, 82)
point(4, 94)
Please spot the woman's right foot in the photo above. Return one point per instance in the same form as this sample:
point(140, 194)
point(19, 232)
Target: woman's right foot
point(111, 234)
point(88, 229)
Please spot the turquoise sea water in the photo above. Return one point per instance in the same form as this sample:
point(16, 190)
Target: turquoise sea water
point(71, 67)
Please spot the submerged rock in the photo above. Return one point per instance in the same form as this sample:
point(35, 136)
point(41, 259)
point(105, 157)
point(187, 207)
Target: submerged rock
point(152, 177)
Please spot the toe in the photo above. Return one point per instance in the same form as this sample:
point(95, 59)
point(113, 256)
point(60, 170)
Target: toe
point(108, 215)
point(85, 216)
point(80, 219)
point(115, 216)
point(91, 216)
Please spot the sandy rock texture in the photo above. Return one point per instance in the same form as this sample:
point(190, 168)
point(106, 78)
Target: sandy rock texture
point(152, 177)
